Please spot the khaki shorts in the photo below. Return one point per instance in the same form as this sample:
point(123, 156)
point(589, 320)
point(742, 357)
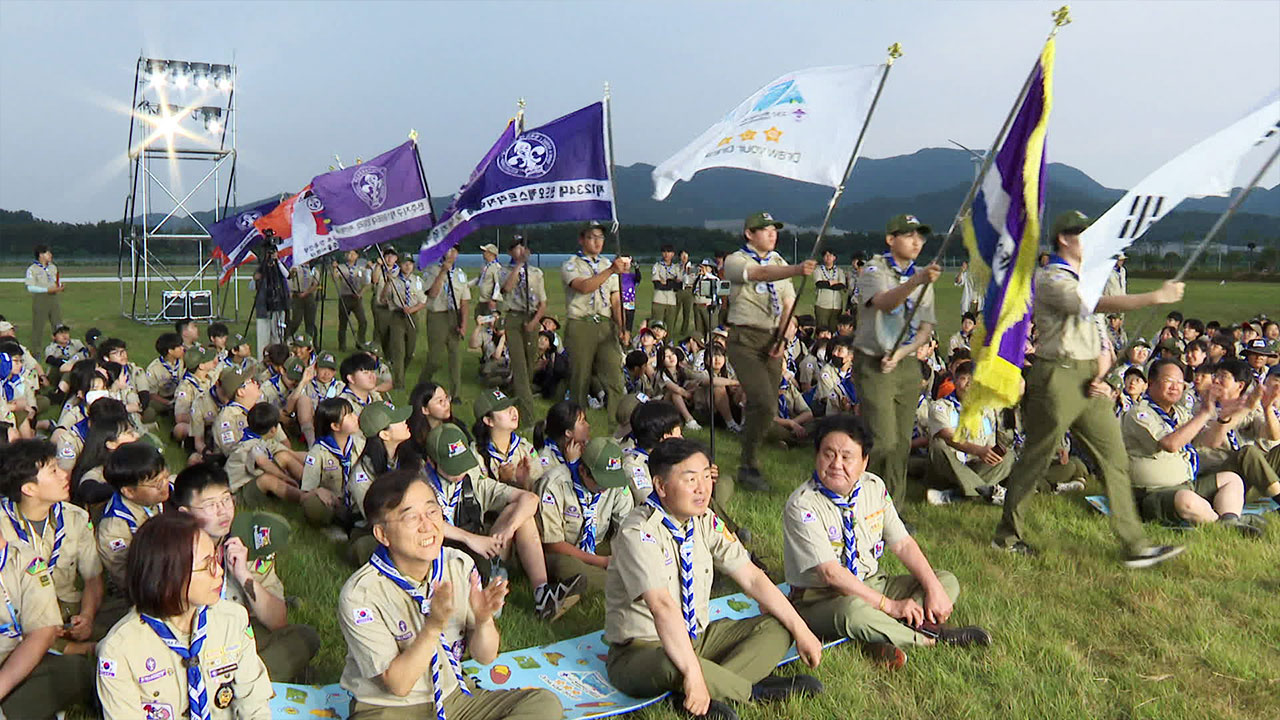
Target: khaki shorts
point(1157, 504)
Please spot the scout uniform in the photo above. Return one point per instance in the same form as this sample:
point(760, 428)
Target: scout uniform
point(490, 495)
point(1055, 401)
point(120, 520)
point(61, 548)
point(835, 390)
point(229, 427)
point(46, 307)
point(330, 467)
point(635, 463)
point(820, 527)
point(139, 675)
point(957, 468)
point(1241, 453)
point(647, 556)
point(443, 321)
point(402, 330)
point(1158, 474)
point(519, 307)
point(204, 413)
point(354, 400)
point(755, 309)
point(591, 337)
point(317, 390)
point(701, 305)
point(832, 286)
point(69, 436)
point(301, 309)
point(242, 465)
point(684, 300)
point(275, 390)
point(381, 612)
point(889, 399)
point(489, 284)
point(517, 451)
point(791, 402)
point(29, 605)
point(163, 377)
point(379, 275)
point(192, 385)
point(571, 513)
point(668, 279)
point(351, 280)
point(73, 350)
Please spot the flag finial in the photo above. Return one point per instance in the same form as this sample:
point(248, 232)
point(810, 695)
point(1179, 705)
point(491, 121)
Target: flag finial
point(1062, 16)
point(606, 89)
point(895, 52)
point(520, 104)
point(413, 135)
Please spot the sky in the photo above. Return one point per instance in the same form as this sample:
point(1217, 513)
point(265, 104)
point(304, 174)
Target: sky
point(1136, 82)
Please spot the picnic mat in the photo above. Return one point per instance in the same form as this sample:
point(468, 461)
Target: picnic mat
point(573, 669)
point(1099, 503)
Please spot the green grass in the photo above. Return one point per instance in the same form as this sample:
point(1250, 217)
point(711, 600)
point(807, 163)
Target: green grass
point(1076, 635)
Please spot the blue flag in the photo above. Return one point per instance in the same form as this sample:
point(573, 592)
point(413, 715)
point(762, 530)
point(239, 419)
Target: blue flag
point(558, 172)
point(234, 238)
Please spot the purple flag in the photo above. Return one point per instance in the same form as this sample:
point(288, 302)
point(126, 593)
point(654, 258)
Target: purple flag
point(558, 172)
point(234, 238)
point(376, 201)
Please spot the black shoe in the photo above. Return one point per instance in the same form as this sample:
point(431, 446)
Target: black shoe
point(1018, 548)
point(751, 479)
point(781, 687)
point(1244, 527)
point(960, 636)
point(1153, 556)
point(715, 711)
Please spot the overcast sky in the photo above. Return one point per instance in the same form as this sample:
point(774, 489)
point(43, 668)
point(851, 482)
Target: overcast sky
point(1137, 82)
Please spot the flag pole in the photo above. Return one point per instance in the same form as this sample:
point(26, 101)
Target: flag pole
point(895, 52)
point(1061, 17)
point(613, 186)
point(1231, 210)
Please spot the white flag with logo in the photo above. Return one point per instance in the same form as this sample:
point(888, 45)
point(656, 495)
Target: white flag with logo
point(1208, 168)
point(801, 126)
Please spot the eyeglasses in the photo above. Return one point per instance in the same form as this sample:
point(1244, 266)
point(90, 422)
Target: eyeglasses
point(418, 517)
point(155, 483)
point(211, 565)
point(226, 500)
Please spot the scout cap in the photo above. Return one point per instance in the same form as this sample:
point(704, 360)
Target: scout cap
point(1072, 222)
point(92, 335)
point(1114, 381)
point(1170, 344)
point(447, 447)
point(492, 401)
point(300, 340)
point(489, 248)
point(657, 324)
point(62, 328)
point(293, 369)
point(1135, 370)
point(755, 221)
point(628, 405)
point(516, 240)
point(6, 326)
point(900, 224)
point(263, 533)
point(1140, 342)
point(237, 340)
point(376, 417)
point(196, 356)
point(588, 227)
point(230, 381)
point(326, 360)
point(603, 457)
point(1259, 346)
point(390, 250)
point(708, 262)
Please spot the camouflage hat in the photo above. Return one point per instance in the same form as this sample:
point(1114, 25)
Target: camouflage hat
point(448, 448)
point(301, 340)
point(900, 224)
point(490, 401)
point(263, 533)
point(603, 458)
point(761, 219)
point(326, 360)
point(376, 417)
point(1072, 222)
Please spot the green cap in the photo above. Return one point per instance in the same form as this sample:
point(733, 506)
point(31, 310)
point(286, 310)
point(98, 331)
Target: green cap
point(263, 533)
point(492, 401)
point(368, 347)
point(325, 360)
point(376, 417)
point(628, 405)
point(230, 381)
point(448, 449)
point(1139, 342)
point(603, 457)
point(1072, 222)
point(1170, 344)
point(195, 356)
point(755, 221)
point(301, 340)
point(293, 369)
point(593, 225)
point(236, 341)
point(1114, 381)
point(899, 224)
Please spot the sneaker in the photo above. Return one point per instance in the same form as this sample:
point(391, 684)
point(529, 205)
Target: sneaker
point(550, 601)
point(751, 479)
point(959, 636)
point(781, 687)
point(594, 404)
point(1244, 527)
point(1069, 487)
point(1153, 556)
point(692, 425)
point(715, 711)
point(940, 497)
point(997, 495)
point(734, 427)
point(1018, 548)
point(887, 655)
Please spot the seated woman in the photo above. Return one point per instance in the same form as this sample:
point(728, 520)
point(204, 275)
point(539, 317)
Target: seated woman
point(109, 428)
point(727, 394)
point(503, 454)
point(678, 384)
point(197, 663)
point(551, 369)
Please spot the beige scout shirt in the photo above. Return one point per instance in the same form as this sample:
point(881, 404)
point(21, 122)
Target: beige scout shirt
point(188, 390)
point(795, 402)
point(42, 276)
point(876, 331)
point(945, 415)
point(831, 390)
point(242, 466)
point(560, 513)
point(827, 298)
point(139, 676)
point(318, 391)
point(1149, 466)
point(229, 427)
point(204, 411)
point(355, 402)
point(379, 621)
point(489, 285)
point(352, 278)
point(65, 353)
point(663, 273)
point(323, 469)
point(751, 303)
point(1065, 328)
point(444, 301)
point(275, 391)
point(580, 305)
point(635, 463)
point(301, 280)
point(263, 571)
point(34, 601)
point(646, 557)
point(78, 556)
point(490, 494)
point(405, 291)
point(114, 537)
point(517, 450)
point(529, 290)
point(813, 531)
point(163, 377)
point(379, 274)
point(1245, 432)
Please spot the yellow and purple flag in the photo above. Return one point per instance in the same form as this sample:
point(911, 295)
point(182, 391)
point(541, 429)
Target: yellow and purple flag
point(1002, 234)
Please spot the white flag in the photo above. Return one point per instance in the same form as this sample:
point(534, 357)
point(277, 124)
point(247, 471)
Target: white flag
point(801, 126)
point(1208, 168)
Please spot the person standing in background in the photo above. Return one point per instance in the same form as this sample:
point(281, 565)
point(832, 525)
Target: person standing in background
point(44, 282)
point(352, 278)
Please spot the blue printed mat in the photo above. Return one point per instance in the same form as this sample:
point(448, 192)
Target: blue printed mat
point(1100, 503)
point(573, 669)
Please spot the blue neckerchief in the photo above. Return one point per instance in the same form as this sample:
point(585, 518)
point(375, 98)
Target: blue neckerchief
point(846, 385)
point(234, 404)
point(848, 512)
point(275, 379)
point(784, 409)
point(381, 561)
point(322, 390)
point(775, 303)
point(355, 398)
point(453, 301)
point(685, 541)
point(908, 272)
point(345, 456)
point(1232, 438)
point(117, 509)
point(59, 527)
point(447, 506)
point(596, 270)
point(587, 501)
point(573, 466)
point(1056, 260)
point(1192, 456)
point(249, 435)
point(497, 454)
point(13, 628)
point(81, 429)
point(175, 371)
point(197, 695)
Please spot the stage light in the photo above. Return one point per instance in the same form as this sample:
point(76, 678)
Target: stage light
point(221, 77)
point(181, 81)
point(202, 81)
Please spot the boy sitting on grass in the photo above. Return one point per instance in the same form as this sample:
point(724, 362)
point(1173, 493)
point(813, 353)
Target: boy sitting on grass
point(262, 464)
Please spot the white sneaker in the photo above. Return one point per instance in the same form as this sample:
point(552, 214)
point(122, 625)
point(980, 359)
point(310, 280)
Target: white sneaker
point(997, 496)
point(692, 425)
point(940, 497)
point(734, 427)
point(1069, 487)
point(594, 404)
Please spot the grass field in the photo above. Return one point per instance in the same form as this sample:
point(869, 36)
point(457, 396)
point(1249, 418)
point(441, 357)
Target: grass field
point(1076, 635)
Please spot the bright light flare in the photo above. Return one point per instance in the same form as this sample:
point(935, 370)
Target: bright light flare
point(181, 81)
